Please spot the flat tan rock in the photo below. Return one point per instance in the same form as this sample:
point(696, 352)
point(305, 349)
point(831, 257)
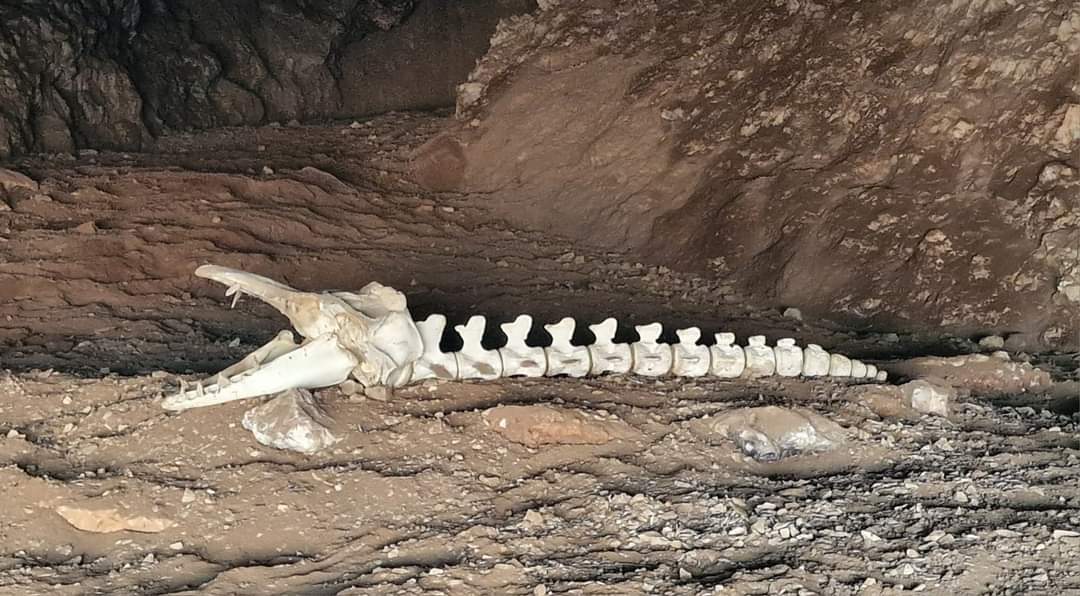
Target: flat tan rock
point(770, 433)
point(101, 521)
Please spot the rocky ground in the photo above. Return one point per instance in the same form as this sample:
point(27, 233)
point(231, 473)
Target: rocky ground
point(614, 486)
point(609, 486)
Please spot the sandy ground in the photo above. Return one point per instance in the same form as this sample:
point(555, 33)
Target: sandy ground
point(423, 494)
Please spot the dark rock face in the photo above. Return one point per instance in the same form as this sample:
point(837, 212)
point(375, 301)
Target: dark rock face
point(109, 74)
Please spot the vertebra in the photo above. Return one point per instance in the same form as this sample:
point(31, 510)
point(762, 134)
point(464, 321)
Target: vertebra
point(370, 337)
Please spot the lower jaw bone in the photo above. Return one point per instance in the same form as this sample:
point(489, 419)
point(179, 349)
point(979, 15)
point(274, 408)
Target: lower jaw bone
point(318, 363)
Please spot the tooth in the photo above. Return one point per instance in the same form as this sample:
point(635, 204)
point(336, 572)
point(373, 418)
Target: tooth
point(518, 358)
point(689, 359)
point(816, 361)
point(564, 358)
point(728, 360)
point(651, 358)
point(433, 362)
point(760, 359)
point(608, 356)
point(473, 361)
point(789, 358)
point(235, 299)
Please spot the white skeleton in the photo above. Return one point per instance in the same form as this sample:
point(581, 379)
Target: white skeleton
point(369, 336)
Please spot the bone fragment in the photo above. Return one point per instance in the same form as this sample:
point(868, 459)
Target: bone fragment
point(858, 369)
point(816, 361)
point(606, 355)
point(474, 362)
point(728, 360)
point(789, 358)
point(519, 359)
point(760, 359)
point(564, 358)
point(433, 362)
point(839, 365)
point(689, 359)
point(651, 358)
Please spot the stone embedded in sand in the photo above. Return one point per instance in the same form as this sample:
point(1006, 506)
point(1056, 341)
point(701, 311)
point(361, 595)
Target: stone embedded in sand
point(978, 373)
point(111, 520)
point(929, 396)
point(769, 433)
point(291, 421)
point(544, 425)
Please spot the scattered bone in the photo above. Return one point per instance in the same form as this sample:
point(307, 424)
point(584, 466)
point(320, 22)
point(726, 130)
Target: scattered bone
point(291, 421)
point(789, 358)
point(770, 433)
point(606, 355)
point(992, 342)
point(534, 426)
point(102, 521)
point(760, 359)
point(519, 359)
point(433, 362)
point(564, 358)
point(689, 358)
point(728, 360)
point(651, 358)
point(473, 361)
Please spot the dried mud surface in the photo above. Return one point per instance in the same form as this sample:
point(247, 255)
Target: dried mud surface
point(423, 494)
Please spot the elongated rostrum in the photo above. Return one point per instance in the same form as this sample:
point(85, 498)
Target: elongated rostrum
point(370, 337)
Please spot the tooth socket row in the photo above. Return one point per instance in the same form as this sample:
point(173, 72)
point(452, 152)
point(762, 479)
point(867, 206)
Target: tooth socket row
point(647, 356)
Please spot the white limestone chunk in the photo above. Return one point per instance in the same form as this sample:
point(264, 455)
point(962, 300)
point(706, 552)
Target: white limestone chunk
point(291, 420)
point(651, 358)
point(606, 355)
point(474, 362)
point(564, 358)
point(728, 360)
point(816, 361)
point(839, 365)
point(760, 359)
point(433, 362)
point(789, 358)
point(519, 359)
point(689, 359)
